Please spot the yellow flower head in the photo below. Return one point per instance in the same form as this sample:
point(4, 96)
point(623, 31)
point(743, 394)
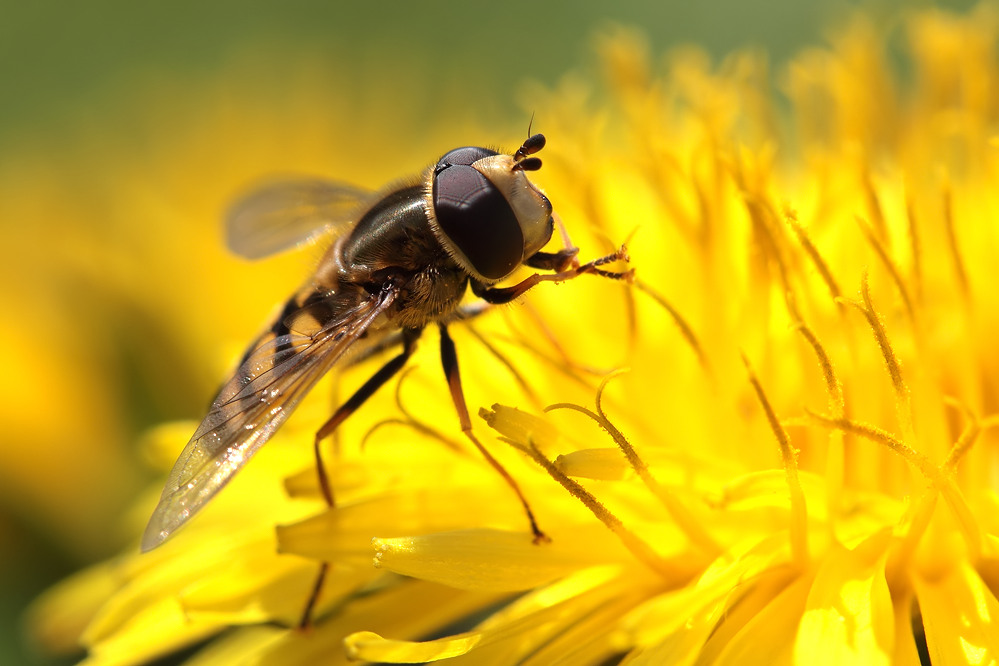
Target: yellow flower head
point(777, 446)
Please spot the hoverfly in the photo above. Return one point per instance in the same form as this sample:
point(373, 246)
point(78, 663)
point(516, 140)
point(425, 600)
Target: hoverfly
point(400, 261)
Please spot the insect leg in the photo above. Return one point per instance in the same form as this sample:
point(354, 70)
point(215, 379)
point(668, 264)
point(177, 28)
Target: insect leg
point(553, 261)
point(306, 620)
point(376, 381)
point(556, 261)
point(498, 295)
point(449, 359)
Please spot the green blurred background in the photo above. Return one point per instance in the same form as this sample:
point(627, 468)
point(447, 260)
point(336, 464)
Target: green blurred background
point(75, 77)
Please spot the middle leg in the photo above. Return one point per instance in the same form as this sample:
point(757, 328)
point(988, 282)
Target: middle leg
point(367, 389)
point(449, 359)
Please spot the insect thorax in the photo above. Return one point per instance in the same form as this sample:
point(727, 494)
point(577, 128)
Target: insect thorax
point(393, 244)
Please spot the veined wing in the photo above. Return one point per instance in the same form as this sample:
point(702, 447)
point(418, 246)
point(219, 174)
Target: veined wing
point(251, 406)
point(286, 212)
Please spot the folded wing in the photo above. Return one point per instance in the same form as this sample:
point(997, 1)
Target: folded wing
point(251, 406)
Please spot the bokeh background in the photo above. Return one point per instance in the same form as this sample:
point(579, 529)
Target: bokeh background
point(124, 128)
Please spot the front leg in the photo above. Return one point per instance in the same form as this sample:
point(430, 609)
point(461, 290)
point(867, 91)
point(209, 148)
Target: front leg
point(553, 261)
point(499, 295)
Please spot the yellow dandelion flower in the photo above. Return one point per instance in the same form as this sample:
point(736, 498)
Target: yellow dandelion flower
point(777, 446)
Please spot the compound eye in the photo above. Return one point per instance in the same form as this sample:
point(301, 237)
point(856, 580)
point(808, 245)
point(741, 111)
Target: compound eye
point(463, 156)
point(478, 221)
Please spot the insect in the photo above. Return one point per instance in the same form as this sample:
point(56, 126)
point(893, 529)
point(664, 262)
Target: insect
point(400, 261)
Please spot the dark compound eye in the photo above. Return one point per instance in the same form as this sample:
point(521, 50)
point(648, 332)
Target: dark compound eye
point(463, 156)
point(477, 219)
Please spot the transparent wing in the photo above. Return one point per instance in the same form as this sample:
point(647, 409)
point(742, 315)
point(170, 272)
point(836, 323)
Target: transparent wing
point(251, 406)
point(283, 213)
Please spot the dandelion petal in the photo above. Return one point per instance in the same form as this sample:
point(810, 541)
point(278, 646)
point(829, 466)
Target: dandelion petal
point(478, 559)
point(961, 618)
point(368, 646)
point(849, 609)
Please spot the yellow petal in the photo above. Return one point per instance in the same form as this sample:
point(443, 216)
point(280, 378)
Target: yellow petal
point(482, 559)
point(604, 464)
point(960, 617)
point(58, 618)
point(154, 630)
point(768, 489)
point(906, 649)
point(345, 532)
point(674, 627)
point(849, 609)
point(770, 629)
point(369, 646)
point(521, 427)
point(406, 609)
point(526, 626)
point(261, 588)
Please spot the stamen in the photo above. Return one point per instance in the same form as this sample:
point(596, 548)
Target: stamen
point(685, 520)
point(761, 215)
point(896, 276)
point(558, 359)
point(789, 456)
point(835, 458)
point(883, 437)
point(566, 241)
point(874, 206)
point(518, 376)
point(914, 246)
point(966, 439)
point(955, 252)
point(918, 518)
point(813, 254)
point(640, 549)
point(834, 388)
point(942, 483)
point(411, 421)
point(902, 400)
point(685, 330)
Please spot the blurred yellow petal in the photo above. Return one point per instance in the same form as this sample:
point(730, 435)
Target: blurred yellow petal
point(236, 597)
point(369, 646)
point(153, 630)
point(60, 616)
